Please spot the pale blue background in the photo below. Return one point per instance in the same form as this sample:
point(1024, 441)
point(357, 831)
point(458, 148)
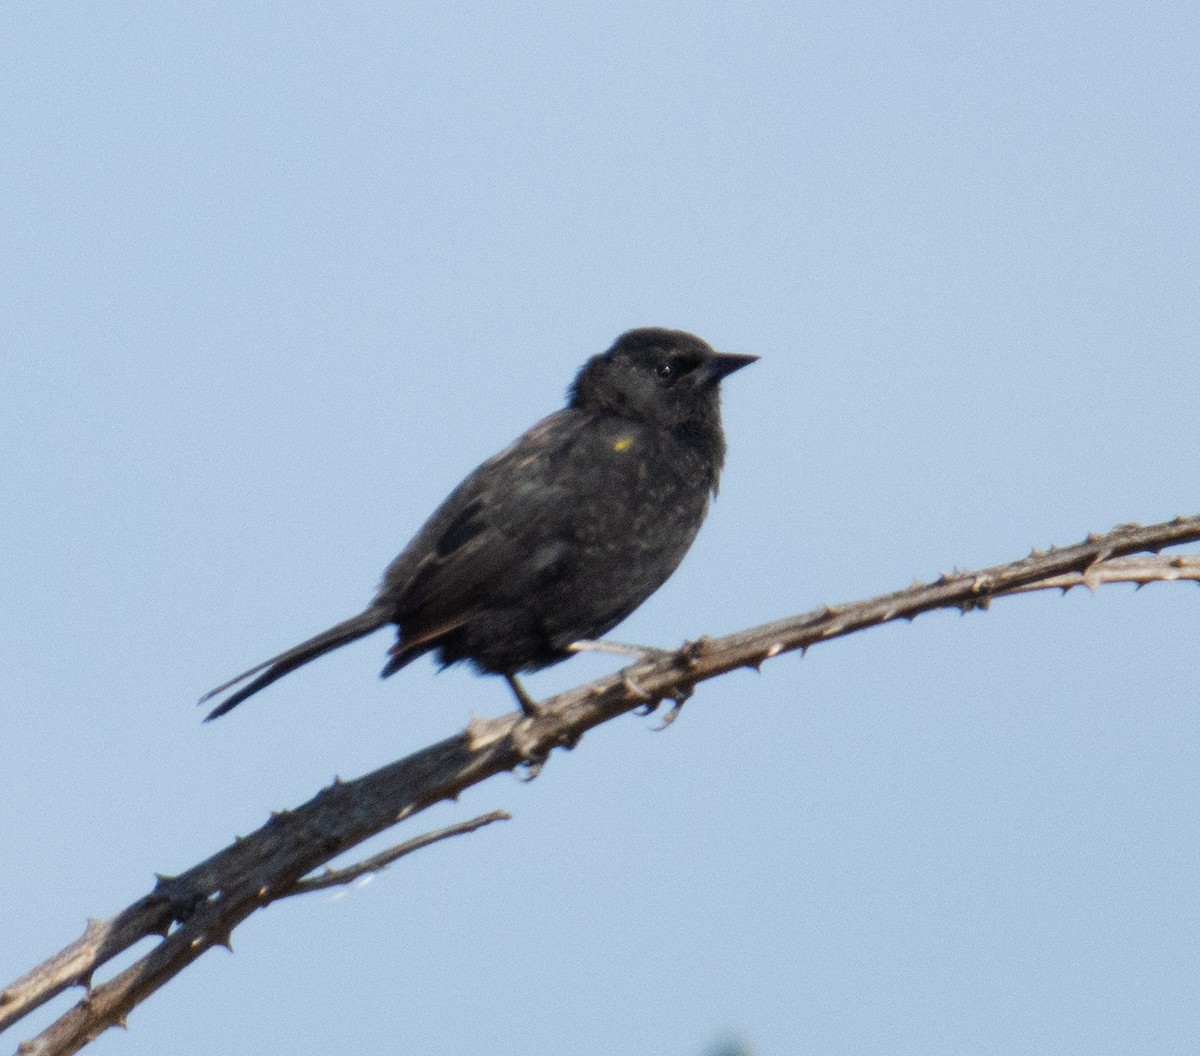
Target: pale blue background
point(276, 276)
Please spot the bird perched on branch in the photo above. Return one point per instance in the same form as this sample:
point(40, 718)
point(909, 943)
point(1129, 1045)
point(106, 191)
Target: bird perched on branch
point(563, 534)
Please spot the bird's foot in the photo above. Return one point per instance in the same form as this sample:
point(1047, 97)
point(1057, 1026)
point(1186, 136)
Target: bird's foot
point(649, 701)
point(679, 697)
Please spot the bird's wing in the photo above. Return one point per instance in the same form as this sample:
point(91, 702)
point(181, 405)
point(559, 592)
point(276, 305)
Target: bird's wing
point(498, 534)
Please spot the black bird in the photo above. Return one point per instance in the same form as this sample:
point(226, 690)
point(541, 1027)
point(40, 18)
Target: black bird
point(563, 534)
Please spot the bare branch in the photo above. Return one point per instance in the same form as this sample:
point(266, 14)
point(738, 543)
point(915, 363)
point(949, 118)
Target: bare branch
point(200, 908)
point(338, 877)
point(1137, 570)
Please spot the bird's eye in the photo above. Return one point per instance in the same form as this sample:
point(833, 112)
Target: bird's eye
point(676, 367)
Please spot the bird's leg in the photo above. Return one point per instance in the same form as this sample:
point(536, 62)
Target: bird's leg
point(638, 652)
point(528, 705)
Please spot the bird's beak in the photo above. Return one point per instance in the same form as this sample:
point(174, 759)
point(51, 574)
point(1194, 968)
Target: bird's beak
point(725, 363)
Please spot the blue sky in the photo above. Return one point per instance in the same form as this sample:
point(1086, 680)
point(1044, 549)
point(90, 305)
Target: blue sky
point(275, 277)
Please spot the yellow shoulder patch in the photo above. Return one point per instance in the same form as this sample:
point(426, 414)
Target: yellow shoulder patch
point(623, 443)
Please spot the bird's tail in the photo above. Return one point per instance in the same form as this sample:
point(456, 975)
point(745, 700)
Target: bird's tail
point(347, 631)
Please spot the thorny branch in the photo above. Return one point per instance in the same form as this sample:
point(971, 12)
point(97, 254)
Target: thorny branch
point(200, 908)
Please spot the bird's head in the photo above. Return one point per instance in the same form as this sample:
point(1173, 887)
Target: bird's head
point(658, 376)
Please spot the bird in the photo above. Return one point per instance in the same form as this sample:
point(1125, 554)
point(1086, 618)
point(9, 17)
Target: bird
point(556, 539)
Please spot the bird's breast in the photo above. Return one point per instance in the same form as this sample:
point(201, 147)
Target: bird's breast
point(637, 486)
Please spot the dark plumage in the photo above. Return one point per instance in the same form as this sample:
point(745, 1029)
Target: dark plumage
point(563, 534)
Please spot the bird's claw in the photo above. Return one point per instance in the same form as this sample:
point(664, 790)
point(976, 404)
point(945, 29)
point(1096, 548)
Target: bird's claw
point(679, 697)
point(634, 690)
